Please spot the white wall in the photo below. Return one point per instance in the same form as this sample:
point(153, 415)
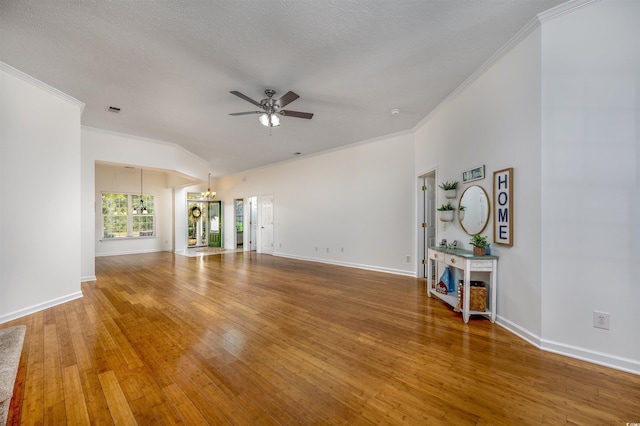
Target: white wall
point(495, 121)
point(562, 109)
point(39, 195)
point(359, 203)
point(591, 181)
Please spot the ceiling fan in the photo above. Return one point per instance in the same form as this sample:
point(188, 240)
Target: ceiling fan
point(272, 108)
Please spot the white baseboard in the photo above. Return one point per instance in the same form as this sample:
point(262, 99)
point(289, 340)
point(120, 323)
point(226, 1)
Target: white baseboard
point(39, 307)
point(119, 253)
point(594, 357)
point(524, 334)
point(89, 278)
point(349, 264)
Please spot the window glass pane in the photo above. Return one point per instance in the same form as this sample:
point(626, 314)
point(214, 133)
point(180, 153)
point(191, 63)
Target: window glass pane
point(114, 211)
point(143, 225)
point(114, 204)
point(115, 226)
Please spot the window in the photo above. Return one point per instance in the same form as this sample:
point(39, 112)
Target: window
point(123, 217)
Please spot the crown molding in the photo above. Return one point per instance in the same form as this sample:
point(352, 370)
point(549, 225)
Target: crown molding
point(562, 9)
point(44, 86)
point(532, 25)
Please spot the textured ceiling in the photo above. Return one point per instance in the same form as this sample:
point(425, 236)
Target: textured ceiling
point(170, 65)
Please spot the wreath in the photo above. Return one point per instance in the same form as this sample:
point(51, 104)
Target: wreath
point(195, 213)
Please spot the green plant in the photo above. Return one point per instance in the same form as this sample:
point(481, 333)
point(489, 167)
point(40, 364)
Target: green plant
point(446, 207)
point(479, 241)
point(448, 185)
point(462, 208)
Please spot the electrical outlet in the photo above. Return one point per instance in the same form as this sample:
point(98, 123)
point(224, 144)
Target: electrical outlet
point(601, 320)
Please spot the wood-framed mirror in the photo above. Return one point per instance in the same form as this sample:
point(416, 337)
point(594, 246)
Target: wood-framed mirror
point(473, 210)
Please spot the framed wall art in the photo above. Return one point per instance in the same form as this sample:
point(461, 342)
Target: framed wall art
point(503, 207)
point(476, 173)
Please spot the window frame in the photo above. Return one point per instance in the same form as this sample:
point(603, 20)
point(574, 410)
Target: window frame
point(131, 198)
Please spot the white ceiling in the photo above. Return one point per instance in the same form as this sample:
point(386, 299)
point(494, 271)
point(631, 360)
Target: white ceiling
point(170, 65)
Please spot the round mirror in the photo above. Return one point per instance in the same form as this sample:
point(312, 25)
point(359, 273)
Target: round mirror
point(473, 210)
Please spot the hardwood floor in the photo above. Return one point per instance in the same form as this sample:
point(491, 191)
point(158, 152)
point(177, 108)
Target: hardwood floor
point(243, 338)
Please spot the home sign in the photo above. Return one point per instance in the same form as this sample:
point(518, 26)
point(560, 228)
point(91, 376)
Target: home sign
point(503, 207)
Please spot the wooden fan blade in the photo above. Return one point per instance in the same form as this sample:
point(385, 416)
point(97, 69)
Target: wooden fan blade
point(297, 114)
point(246, 98)
point(287, 99)
point(246, 113)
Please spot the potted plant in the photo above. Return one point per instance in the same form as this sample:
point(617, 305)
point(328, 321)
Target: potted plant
point(446, 212)
point(449, 188)
point(461, 210)
point(479, 244)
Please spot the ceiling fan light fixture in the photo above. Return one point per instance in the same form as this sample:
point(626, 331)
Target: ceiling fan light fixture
point(272, 108)
point(269, 120)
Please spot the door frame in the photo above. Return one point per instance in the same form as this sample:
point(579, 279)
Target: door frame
point(235, 223)
point(422, 216)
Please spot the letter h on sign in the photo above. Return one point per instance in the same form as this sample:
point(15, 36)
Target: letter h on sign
point(503, 207)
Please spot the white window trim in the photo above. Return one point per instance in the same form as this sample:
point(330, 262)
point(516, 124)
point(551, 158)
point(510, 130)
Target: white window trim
point(130, 217)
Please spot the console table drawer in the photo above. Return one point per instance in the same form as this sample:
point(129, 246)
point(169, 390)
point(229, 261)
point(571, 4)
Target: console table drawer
point(436, 256)
point(455, 261)
point(481, 265)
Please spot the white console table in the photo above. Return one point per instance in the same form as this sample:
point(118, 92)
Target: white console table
point(465, 261)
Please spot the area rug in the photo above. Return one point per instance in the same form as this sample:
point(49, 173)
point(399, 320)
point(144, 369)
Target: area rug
point(11, 341)
point(211, 250)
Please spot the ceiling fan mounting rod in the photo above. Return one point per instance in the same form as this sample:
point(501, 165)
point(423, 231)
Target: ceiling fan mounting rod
point(269, 104)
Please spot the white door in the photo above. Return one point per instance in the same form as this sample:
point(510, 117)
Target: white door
point(430, 209)
point(266, 224)
point(427, 219)
point(253, 223)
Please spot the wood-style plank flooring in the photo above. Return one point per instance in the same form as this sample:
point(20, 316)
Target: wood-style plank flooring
point(243, 338)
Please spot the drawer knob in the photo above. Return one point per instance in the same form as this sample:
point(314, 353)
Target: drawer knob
point(453, 260)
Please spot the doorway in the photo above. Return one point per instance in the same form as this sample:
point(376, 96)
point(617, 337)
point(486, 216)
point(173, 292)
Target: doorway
point(204, 222)
point(426, 218)
point(215, 223)
point(239, 213)
point(197, 229)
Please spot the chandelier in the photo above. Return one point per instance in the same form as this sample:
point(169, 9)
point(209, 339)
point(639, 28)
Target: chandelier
point(141, 206)
point(209, 195)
